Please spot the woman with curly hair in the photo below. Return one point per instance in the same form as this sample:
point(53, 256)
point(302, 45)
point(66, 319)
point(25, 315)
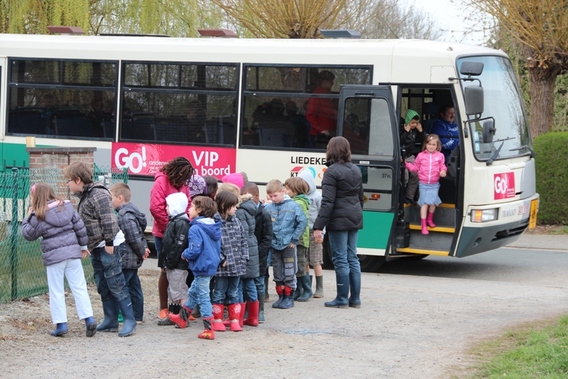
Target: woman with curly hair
point(172, 178)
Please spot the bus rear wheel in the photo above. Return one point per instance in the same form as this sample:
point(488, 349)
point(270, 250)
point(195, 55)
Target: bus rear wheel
point(369, 263)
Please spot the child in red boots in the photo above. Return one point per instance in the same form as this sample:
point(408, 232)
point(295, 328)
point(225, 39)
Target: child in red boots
point(235, 256)
point(203, 254)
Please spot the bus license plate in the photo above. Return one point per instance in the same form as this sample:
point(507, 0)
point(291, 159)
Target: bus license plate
point(534, 211)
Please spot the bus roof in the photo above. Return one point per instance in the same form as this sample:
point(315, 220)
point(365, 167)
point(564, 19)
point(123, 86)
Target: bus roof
point(395, 57)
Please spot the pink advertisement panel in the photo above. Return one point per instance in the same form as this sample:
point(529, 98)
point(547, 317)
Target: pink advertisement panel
point(147, 159)
point(503, 185)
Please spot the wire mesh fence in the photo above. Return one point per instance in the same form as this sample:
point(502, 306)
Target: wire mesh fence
point(22, 273)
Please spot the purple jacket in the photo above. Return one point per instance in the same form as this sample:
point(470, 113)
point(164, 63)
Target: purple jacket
point(63, 232)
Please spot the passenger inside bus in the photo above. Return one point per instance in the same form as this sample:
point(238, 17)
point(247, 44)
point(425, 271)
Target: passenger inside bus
point(195, 122)
point(298, 123)
point(48, 105)
point(447, 129)
point(322, 112)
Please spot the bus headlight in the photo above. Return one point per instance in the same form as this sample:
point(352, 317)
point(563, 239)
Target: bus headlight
point(484, 215)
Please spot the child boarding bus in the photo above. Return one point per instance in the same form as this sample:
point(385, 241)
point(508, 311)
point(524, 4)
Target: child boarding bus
point(261, 106)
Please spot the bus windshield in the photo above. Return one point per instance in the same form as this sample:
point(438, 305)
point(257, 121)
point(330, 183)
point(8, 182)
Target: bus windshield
point(503, 131)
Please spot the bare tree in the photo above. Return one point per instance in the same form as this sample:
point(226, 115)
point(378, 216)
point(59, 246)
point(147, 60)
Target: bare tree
point(541, 28)
point(388, 19)
point(293, 18)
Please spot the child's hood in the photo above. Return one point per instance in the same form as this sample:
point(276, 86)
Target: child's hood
point(177, 203)
point(211, 226)
point(302, 197)
point(59, 216)
point(309, 178)
point(133, 209)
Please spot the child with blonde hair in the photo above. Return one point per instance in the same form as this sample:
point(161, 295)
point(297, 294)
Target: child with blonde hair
point(297, 189)
point(64, 242)
point(288, 225)
point(430, 167)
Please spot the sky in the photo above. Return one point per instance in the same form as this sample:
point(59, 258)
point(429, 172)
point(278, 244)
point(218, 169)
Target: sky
point(449, 16)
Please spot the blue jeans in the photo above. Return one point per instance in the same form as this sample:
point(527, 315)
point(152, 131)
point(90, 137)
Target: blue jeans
point(135, 289)
point(157, 245)
point(226, 287)
point(198, 294)
point(248, 287)
point(260, 287)
point(108, 274)
point(344, 251)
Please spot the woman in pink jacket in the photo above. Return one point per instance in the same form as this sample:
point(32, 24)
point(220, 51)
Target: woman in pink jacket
point(430, 167)
point(172, 178)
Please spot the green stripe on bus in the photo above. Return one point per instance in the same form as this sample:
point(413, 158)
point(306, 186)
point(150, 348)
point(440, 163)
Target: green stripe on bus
point(376, 230)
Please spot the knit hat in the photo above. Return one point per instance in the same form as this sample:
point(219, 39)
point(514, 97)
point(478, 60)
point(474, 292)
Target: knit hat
point(234, 178)
point(177, 203)
point(197, 186)
point(410, 114)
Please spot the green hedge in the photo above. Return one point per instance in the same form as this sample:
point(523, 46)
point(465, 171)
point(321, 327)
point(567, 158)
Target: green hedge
point(552, 177)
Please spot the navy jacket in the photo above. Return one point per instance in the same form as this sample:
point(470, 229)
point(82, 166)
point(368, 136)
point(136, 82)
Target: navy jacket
point(204, 247)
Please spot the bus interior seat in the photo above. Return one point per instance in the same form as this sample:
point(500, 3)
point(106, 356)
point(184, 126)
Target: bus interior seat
point(212, 131)
point(108, 129)
point(430, 116)
point(274, 137)
point(26, 121)
point(74, 127)
point(172, 129)
point(139, 129)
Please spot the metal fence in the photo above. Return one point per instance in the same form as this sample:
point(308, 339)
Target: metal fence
point(22, 273)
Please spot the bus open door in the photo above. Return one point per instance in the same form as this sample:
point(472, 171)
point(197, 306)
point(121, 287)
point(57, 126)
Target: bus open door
point(366, 117)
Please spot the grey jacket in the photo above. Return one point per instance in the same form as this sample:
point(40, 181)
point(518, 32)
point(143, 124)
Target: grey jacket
point(63, 232)
point(132, 222)
point(246, 213)
point(314, 195)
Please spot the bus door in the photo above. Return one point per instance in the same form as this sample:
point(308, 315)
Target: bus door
point(366, 117)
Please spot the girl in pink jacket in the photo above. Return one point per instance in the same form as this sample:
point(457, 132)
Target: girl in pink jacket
point(172, 178)
point(430, 167)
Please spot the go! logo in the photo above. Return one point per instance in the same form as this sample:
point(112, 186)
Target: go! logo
point(504, 185)
point(134, 161)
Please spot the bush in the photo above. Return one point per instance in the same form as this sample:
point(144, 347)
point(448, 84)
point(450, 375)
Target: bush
point(552, 177)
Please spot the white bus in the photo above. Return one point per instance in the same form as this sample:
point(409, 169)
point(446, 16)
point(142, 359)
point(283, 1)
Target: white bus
point(239, 105)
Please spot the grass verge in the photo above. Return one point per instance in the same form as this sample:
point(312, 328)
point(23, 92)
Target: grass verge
point(535, 350)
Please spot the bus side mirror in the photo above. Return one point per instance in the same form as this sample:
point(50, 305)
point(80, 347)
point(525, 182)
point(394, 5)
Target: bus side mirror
point(488, 130)
point(473, 100)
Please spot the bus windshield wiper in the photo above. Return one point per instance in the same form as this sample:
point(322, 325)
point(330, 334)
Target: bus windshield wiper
point(496, 153)
point(533, 154)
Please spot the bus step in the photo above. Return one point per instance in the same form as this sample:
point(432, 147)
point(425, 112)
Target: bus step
point(439, 229)
point(422, 251)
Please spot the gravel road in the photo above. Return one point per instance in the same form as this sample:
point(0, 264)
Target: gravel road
point(417, 323)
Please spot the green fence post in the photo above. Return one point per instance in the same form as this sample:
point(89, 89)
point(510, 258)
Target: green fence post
point(14, 234)
point(125, 175)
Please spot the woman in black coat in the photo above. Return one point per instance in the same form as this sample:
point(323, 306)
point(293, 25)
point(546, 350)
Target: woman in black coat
point(341, 214)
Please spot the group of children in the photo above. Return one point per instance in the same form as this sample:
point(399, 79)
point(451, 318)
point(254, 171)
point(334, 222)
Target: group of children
point(215, 256)
point(231, 235)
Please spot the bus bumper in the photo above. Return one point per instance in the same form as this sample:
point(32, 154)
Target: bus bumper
point(477, 238)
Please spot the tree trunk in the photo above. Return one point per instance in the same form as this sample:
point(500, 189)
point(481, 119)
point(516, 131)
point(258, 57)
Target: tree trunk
point(541, 92)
